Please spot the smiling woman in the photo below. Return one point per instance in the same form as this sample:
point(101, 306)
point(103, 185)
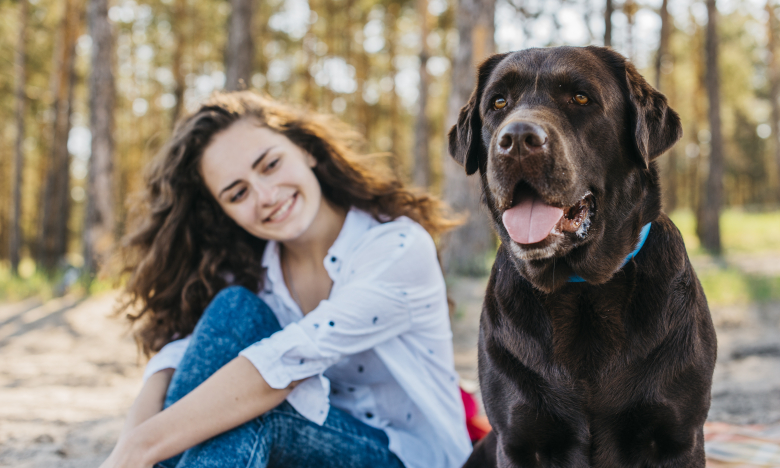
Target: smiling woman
point(294, 297)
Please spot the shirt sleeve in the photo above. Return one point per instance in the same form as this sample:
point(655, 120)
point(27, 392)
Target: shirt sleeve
point(169, 357)
point(370, 307)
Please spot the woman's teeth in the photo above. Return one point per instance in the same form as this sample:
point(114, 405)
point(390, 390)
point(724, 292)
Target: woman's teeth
point(282, 209)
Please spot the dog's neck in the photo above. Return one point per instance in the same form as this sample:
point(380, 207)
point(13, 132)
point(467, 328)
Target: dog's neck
point(642, 238)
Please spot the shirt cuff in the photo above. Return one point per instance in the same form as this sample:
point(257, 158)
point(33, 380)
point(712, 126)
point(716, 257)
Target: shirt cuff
point(169, 357)
point(287, 355)
point(310, 398)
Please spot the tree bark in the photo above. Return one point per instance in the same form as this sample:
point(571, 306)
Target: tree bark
point(774, 87)
point(53, 234)
point(713, 196)
point(608, 23)
point(21, 99)
point(180, 13)
point(466, 249)
point(240, 48)
point(663, 43)
point(99, 219)
point(391, 26)
point(422, 159)
point(670, 174)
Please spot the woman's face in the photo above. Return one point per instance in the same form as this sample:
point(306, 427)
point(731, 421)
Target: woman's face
point(262, 180)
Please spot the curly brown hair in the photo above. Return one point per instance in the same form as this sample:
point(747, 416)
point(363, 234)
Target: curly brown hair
point(186, 247)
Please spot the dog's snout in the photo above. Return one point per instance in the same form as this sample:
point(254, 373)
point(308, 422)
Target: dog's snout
point(521, 138)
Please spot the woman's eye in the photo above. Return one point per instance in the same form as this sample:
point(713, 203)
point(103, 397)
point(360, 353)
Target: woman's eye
point(237, 196)
point(499, 103)
point(272, 164)
point(581, 99)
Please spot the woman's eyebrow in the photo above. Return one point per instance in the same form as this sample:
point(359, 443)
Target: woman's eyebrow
point(254, 164)
point(262, 155)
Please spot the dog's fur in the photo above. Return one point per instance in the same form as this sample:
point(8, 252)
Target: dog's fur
point(615, 371)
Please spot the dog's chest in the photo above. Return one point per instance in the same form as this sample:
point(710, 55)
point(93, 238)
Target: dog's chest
point(588, 330)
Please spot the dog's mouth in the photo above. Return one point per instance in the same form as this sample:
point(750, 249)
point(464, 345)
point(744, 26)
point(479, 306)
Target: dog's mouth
point(531, 220)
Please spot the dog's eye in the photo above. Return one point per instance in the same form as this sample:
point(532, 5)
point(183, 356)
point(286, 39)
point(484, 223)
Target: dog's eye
point(499, 103)
point(581, 99)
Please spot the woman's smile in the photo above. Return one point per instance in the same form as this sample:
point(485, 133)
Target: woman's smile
point(280, 214)
point(263, 181)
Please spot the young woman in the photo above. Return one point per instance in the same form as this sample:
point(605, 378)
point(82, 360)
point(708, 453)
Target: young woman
point(298, 296)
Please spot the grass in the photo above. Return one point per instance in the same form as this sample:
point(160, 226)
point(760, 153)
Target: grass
point(730, 286)
point(742, 233)
point(34, 283)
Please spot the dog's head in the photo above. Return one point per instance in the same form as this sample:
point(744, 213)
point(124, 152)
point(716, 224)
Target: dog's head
point(564, 139)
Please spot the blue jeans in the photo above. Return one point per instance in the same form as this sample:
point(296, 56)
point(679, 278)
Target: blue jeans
point(235, 319)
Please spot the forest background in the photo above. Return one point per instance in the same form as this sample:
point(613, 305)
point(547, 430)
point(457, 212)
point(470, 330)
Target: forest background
point(91, 90)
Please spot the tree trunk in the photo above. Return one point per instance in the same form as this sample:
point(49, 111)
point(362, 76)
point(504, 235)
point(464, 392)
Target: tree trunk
point(422, 159)
point(670, 174)
point(180, 13)
point(21, 98)
point(53, 234)
point(608, 24)
point(774, 87)
point(240, 48)
point(365, 121)
point(391, 26)
point(713, 196)
point(466, 249)
point(663, 43)
point(99, 218)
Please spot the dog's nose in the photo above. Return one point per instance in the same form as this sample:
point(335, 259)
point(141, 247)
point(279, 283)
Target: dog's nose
point(522, 138)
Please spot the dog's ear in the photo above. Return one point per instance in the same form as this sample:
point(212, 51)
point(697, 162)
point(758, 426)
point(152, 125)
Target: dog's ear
point(465, 141)
point(656, 125)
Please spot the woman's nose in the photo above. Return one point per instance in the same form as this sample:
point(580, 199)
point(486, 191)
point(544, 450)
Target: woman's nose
point(267, 194)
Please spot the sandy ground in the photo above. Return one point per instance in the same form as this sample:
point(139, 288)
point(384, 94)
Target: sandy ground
point(68, 372)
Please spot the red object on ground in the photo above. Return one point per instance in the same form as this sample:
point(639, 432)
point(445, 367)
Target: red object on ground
point(478, 426)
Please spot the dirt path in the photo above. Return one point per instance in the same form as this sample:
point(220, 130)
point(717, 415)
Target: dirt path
point(68, 373)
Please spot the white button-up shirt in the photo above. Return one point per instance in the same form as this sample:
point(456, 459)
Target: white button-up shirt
point(379, 348)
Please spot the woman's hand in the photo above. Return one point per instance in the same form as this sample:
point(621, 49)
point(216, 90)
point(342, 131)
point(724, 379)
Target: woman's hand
point(126, 456)
point(148, 403)
point(232, 396)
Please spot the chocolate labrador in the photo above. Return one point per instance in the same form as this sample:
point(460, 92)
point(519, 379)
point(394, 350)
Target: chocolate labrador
point(596, 346)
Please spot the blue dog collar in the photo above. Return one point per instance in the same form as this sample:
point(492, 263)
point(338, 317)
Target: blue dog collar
point(642, 238)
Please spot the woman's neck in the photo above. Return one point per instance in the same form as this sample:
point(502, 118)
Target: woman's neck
point(312, 246)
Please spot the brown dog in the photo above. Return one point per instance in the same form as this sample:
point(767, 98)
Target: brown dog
point(588, 355)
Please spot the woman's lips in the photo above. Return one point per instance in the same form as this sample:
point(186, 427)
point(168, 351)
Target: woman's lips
point(281, 213)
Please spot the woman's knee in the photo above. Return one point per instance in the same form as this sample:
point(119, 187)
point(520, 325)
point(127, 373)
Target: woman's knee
point(236, 308)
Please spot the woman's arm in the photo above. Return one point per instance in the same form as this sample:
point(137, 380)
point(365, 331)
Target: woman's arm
point(232, 396)
point(149, 401)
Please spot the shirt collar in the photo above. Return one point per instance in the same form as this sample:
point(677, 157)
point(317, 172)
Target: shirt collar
point(355, 225)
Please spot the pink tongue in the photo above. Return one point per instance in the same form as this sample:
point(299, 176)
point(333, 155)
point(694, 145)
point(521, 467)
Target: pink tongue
point(531, 220)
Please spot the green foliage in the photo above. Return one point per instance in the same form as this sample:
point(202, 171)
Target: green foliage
point(728, 286)
point(35, 283)
point(741, 231)
point(745, 235)
point(15, 288)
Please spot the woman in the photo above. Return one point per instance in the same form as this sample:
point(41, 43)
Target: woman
point(309, 292)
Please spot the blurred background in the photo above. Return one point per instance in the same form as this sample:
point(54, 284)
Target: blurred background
point(91, 89)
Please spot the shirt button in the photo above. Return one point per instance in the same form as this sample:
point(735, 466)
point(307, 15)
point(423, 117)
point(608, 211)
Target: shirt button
point(369, 415)
point(332, 259)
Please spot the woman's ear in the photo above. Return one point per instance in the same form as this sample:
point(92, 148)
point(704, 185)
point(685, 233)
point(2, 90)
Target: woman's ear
point(311, 160)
